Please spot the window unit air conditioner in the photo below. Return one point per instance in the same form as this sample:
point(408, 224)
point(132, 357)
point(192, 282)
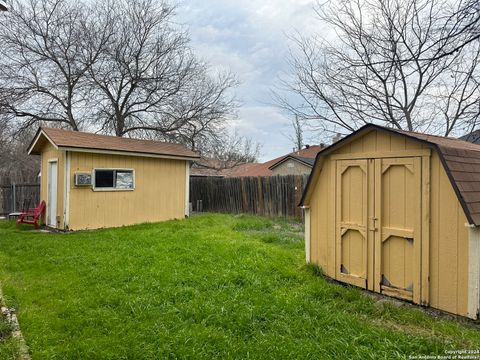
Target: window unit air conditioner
point(83, 179)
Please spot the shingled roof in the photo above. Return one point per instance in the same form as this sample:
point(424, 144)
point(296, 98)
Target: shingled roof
point(68, 139)
point(461, 160)
point(265, 169)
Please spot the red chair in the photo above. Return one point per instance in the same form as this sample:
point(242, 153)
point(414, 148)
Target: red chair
point(32, 216)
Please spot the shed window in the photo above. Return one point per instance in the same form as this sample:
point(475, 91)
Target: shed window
point(124, 179)
point(113, 179)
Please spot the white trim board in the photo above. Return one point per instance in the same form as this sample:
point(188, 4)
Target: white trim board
point(66, 193)
point(34, 142)
point(307, 235)
point(187, 189)
point(66, 189)
point(473, 271)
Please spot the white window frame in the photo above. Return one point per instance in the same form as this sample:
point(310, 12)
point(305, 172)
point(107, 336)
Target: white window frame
point(94, 188)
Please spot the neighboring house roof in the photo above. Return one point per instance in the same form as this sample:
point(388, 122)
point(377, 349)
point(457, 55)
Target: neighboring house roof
point(309, 161)
point(473, 137)
point(206, 172)
point(82, 141)
point(308, 152)
point(206, 167)
point(265, 169)
point(252, 169)
point(210, 168)
point(461, 160)
point(304, 160)
point(241, 170)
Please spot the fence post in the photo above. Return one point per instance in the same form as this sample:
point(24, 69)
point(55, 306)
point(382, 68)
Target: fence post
point(14, 195)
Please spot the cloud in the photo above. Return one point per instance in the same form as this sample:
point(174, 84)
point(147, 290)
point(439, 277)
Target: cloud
point(267, 126)
point(249, 38)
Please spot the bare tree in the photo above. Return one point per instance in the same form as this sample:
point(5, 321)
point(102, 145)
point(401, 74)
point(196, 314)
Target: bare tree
point(384, 66)
point(120, 66)
point(228, 151)
point(296, 136)
point(47, 49)
point(461, 28)
point(15, 165)
point(149, 81)
point(201, 111)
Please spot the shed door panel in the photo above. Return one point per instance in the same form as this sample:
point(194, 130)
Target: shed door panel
point(398, 215)
point(351, 232)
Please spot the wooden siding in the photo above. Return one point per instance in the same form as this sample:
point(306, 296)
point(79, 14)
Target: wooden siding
point(159, 192)
point(48, 153)
point(448, 246)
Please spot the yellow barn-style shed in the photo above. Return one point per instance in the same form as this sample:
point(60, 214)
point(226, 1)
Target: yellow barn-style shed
point(397, 213)
point(91, 181)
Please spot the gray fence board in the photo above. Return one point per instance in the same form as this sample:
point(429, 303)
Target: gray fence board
point(17, 197)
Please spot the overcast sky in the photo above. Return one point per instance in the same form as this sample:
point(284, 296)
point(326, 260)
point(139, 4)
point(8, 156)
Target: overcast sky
point(248, 37)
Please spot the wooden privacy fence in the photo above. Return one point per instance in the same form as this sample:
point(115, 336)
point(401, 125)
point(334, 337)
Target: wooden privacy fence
point(270, 195)
point(16, 197)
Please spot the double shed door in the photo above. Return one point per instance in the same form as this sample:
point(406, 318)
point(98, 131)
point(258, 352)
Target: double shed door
point(378, 234)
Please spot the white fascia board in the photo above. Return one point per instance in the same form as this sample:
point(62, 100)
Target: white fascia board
point(36, 140)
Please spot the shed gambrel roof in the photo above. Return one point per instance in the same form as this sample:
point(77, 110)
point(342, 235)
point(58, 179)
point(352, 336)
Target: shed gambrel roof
point(82, 141)
point(460, 159)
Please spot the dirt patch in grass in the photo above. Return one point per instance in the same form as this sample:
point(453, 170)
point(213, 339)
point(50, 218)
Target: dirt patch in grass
point(408, 329)
point(414, 330)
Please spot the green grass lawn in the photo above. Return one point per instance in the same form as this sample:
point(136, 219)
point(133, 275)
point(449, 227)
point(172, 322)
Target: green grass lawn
point(213, 286)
